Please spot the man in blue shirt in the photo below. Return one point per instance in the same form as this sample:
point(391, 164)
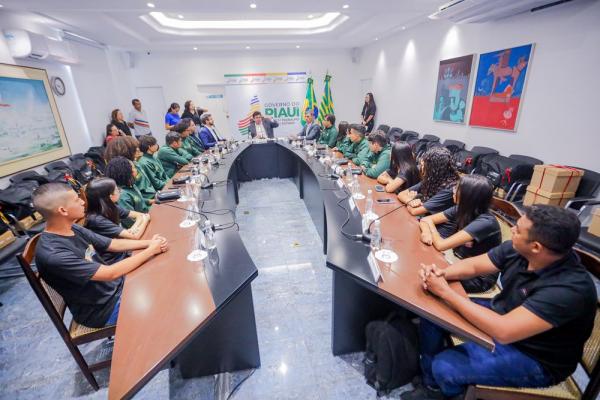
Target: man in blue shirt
point(208, 133)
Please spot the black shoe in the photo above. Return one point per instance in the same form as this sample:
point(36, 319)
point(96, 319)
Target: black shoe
point(423, 393)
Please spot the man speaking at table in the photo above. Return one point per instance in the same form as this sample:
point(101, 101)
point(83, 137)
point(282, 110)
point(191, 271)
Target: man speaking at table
point(311, 130)
point(261, 128)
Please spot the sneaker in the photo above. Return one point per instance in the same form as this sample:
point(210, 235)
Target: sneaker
point(423, 393)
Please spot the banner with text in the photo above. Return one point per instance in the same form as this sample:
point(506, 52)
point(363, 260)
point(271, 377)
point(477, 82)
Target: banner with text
point(280, 101)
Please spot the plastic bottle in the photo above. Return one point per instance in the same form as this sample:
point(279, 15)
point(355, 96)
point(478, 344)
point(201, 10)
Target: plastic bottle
point(209, 235)
point(376, 235)
point(369, 203)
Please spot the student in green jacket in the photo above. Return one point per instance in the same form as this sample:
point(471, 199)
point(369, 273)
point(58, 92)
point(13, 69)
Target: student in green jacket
point(128, 147)
point(171, 156)
point(359, 150)
point(329, 133)
point(149, 164)
point(342, 141)
point(379, 157)
point(122, 171)
point(185, 128)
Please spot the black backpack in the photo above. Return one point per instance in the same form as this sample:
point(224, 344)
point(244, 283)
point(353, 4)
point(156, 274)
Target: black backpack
point(503, 171)
point(465, 161)
point(392, 353)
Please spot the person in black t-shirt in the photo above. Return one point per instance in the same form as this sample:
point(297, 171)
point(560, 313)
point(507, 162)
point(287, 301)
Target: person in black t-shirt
point(118, 119)
point(539, 322)
point(403, 172)
point(368, 112)
point(66, 257)
point(468, 227)
point(104, 216)
point(435, 191)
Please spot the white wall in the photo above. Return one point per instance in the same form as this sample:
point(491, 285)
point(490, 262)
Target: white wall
point(179, 74)
point(559, 113)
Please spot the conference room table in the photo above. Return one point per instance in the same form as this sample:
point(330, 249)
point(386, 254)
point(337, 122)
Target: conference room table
point(200, 314)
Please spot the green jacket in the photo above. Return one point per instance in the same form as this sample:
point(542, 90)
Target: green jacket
point(377, 163)
point(188, 145)
point(360, 152)
point(343, 144)
point(153, 170)
point(143, 183)
point(328, 136)
point(172, 159)
point(131, 199)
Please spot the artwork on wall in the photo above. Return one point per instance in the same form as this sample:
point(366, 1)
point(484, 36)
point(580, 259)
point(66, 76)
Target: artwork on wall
point(31, 132)
point(454, 76)
point(499, 87)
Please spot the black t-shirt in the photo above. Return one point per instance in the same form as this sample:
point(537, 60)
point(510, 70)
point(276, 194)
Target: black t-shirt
point(484, 230)
point(562, 294)
point(105, 227)
point(439, 202)
point(67, 264)
point(194, 117)
point(122, 126)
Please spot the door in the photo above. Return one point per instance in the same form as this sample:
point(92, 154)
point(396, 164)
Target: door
point(212, 97)
point(153, 101)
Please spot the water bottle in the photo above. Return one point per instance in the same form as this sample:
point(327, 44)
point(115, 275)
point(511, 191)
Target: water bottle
point(209, 235)
point(369, 203)
point(376, 235)
point(199, 237)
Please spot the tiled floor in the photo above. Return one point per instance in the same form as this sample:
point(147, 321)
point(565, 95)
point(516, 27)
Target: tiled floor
point(292, 296)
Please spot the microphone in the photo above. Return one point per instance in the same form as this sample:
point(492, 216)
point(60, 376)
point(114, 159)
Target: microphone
point(366, 237)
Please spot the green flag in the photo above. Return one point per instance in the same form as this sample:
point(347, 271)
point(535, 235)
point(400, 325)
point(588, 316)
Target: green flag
point(310, 102)
point(326, 106)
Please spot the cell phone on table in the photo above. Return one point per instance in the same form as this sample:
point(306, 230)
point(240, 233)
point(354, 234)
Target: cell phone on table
point(384, 201)
point(379, 188)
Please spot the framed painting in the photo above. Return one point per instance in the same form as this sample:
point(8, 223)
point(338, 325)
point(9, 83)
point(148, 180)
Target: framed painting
point(31, 132)
point(499, 87)
point(454, 77)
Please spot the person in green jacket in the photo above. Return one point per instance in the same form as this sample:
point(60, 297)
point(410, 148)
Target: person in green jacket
point(149, 164)
point(185, 128)
point(329, 133)
point(122, 171)
point(379, 157)
point(342, 141)
point(171, 156)
point(359, 150)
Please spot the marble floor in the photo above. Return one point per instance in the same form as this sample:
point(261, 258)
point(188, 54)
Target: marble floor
point(292, 296)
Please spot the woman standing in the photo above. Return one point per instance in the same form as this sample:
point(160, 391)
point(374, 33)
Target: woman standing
point(189, 111)
point(172, 116)
point(368, 112)
point(118, 119)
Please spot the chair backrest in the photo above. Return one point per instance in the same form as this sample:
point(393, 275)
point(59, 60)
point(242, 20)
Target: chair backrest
point(453, 144)
point(526, 159)
point(408, 134)
point(30, 175)
point(383, 127)
point(77, 156)
point(52, 302)
point(589, 186)
point(507, 209)
point(394, 135)
point(60, 165)
point(431, 138)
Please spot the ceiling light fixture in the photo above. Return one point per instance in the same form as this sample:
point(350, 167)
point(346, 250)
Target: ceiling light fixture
point(247, 47)
point(195, 48)
point(252, 5)
point(310, 16)
point(151, 5)
point(376, 39)
point(345, 6)
point(180, 16)
point(320, 22)
point(297, 46)
point(403, 28)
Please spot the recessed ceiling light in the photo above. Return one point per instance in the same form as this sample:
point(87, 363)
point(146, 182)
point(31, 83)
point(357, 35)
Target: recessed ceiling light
point(180, 16)
point(195, 48)
point(297, 46)
point(252, 5)
point(403, 28)
point(151, 5)
point(1, 6)
point(247, 47)
point(345, 6)
point(376, 39)
point(310, 16)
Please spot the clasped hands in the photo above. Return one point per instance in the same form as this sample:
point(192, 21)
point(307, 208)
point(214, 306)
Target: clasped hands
point(158, 244)
point(433, 279)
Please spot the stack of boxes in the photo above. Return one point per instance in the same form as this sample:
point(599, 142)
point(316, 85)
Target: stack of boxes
point(552, 184)
point(594, 227)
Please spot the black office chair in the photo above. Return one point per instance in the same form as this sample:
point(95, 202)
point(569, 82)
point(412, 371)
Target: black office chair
point(394, 135)
point(57, 165)
point(431, 138)
point(28, 176)
point(382, 127)
point(526, 159)
point(406, 135)
point(453, 145)
point(587, 192)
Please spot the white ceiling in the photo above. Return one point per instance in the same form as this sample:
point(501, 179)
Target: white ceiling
point(126, 24)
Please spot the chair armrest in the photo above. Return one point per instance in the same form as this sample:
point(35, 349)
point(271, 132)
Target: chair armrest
point(577, 202)
point(588, 204)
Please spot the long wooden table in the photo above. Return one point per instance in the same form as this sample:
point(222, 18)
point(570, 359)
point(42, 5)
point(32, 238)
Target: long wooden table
point(202, 313)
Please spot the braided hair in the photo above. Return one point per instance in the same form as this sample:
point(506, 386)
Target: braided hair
point(439, 172)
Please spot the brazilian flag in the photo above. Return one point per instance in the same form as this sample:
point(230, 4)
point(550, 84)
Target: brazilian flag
point(326, 106)
point(310, 102)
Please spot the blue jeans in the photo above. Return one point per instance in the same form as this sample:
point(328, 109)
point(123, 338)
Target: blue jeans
point(452, 369)
point(112, 320)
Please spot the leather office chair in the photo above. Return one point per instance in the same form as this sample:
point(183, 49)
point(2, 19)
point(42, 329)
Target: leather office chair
point(384, 128)
point(55, 306)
